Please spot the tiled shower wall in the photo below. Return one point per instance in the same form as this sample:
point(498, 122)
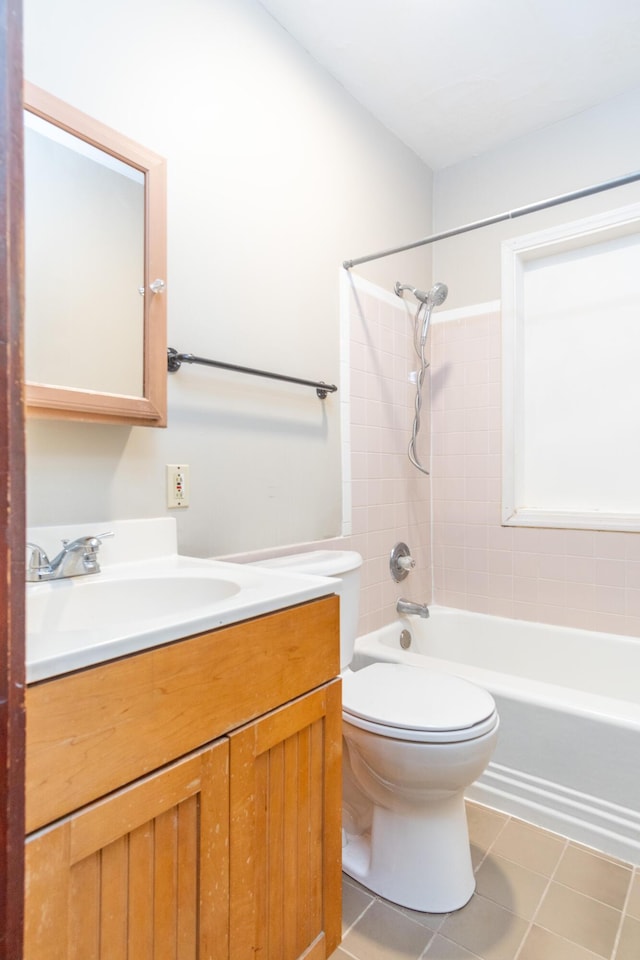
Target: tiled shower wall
point(389, 497)
point(578, 578)
point(451, 520)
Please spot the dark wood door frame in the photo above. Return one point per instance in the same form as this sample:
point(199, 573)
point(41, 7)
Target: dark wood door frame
point(12, 483)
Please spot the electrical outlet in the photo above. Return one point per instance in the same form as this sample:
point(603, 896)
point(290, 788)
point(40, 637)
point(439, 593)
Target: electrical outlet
point(177, 485)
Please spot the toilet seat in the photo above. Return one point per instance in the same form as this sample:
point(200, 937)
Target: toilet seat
point(409, 703)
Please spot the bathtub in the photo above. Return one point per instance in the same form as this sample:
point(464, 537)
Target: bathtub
point(568, 754)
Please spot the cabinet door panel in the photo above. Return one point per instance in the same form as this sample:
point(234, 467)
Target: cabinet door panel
point(142, 875)
point(285, 831)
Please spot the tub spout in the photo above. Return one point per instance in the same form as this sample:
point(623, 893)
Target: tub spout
point(408, 607)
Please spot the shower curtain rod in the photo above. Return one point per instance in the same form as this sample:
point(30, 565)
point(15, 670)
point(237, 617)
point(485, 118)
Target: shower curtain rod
point(500, 217)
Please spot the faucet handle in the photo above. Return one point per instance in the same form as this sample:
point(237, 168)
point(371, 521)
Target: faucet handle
point(401, 562)
point(92, 540)
point(39, 562)
point(92, 545)
point(38, 556)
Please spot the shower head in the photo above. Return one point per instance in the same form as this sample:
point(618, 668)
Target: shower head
point(432, 298)
point(429, 299)
point(438, 294)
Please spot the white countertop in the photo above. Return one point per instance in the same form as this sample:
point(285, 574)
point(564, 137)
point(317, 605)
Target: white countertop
point(146, 594)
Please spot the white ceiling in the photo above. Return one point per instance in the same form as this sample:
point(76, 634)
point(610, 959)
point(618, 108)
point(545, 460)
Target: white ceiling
point(454, 78)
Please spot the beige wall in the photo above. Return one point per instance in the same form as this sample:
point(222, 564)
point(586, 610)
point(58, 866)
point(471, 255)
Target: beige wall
point(595, 146)
point(275, 176)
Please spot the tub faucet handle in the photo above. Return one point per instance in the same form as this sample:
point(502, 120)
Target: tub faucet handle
point(401, 562)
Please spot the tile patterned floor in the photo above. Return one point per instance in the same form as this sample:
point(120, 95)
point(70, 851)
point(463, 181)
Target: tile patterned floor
point(538, 897)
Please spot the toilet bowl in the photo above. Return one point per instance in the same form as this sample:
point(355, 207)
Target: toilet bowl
point(413, 740)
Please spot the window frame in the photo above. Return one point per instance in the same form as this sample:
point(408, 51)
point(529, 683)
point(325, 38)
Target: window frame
point(515, 254)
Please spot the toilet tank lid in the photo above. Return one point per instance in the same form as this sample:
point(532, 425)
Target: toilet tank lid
point(321, 563)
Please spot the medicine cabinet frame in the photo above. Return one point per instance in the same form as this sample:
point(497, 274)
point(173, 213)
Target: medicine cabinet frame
point(60, 401)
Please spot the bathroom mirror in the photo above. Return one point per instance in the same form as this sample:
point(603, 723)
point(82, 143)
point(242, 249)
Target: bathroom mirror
point(95, 269)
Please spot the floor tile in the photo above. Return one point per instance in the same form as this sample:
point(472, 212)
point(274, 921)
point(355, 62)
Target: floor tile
point(384, 933)
point(477, 855)
point(540, 944)
point(629, 943)
point(486, 929)
point(633, 906)
point(594, 875)
point(433, 921)
point(578, 918)
point(354, 902)
point(441, 949)
point(484, 826)
point(531, 847)
point(600, 853)
point(512, 886)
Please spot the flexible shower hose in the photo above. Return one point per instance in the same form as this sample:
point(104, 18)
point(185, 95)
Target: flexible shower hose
point(419, 344)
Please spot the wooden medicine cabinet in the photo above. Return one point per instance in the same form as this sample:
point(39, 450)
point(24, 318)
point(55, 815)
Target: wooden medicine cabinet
point(95, 269)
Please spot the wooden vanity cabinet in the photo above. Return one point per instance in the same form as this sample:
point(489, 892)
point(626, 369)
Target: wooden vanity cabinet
point(230, 850)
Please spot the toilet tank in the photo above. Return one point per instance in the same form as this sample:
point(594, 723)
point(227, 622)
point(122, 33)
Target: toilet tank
point(345, 567)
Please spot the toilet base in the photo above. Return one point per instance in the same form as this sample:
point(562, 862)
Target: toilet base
point(417, 861)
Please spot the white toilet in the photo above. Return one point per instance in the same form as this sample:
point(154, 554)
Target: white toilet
point(413, 742)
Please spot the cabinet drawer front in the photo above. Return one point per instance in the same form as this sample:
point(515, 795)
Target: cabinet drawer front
point(90, 732)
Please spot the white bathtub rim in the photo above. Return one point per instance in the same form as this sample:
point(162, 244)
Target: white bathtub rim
point(371, 648)
point(582, 659)
point(531, 626)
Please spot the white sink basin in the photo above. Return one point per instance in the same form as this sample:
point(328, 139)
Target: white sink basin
point(84, 602)
point(129, 607)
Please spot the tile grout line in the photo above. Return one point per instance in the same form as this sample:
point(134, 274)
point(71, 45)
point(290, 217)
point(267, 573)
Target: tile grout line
point(423, 955)
point(623, 914)
point(508, 820)
point(531, 923)
point(358, 918)
point(348, 953)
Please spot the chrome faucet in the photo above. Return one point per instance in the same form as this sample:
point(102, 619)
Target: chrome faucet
point(76, 559)
point(409, 607)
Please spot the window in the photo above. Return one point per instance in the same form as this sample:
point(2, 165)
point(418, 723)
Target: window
point(571, 375)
